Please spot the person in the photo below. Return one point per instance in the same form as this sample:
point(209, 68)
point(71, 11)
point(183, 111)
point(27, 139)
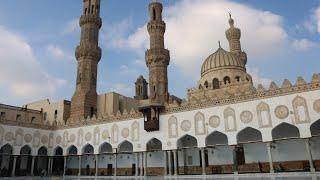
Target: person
point(260, 166)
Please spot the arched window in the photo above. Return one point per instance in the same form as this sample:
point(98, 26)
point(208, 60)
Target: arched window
point(226, 80)
point(154, 14)
point(91, 112)
point(215, 83)
point(206, 84)
point(238, 78)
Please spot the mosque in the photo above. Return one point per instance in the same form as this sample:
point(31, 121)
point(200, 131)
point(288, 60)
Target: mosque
point(225, 126)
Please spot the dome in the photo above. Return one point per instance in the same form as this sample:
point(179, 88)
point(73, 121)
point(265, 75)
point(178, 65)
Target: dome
point(221, 59)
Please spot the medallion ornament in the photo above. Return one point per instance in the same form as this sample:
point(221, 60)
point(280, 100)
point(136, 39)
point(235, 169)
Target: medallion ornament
point(281, 112)
point(316, 106)
point(27, 138)
point(9, 136)
point(246, 117)
point(185, 125)
point(214, 121)
point(88, 136)
point(44, 139)
point(125, 132)
point(58, 139)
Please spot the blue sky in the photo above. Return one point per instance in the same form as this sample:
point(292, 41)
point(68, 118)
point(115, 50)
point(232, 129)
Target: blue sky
point(38, 37)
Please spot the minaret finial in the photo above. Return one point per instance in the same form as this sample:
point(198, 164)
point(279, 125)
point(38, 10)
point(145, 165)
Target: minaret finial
point(219, 44)
point(231, 21)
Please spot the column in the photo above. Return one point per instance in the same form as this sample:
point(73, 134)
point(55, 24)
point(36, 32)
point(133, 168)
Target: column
point(141, 164)
point(13, 172)
point(270, 157)
point(32, 165)
point(97, 164)
point(309, 155)
point(137, 164)
point(64, 165)
point(49, 165)
point(235, 160)
point(115, 165)
point(165, 158)
point(170, 163)
point(79, 173)
point(203, 161)
point(175, 162)
point(145, 163)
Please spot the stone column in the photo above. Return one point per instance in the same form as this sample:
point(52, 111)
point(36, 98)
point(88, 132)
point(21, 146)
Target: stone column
point(115, 165)
point(13, 172)
point(175, 162)
point(165, 158)
point(203, 161)
point(309, 155)
point(64, 165)
point(79, 173)
point(49, 165)
point(137, 164)
point(270, 157)
point(145, 163)
point(32, 165)
point(97, 164)
point(170, 162)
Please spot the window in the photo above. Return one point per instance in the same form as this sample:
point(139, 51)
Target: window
point(226, 80)
point(206, 84)
point(55, 114)
point(85, 11)
point(2, 115)
point(238, 78)
point(215, 83)
point(33, 119)
point(18, 118)
point(45, 116)
point(91, 111)
point(154, 14)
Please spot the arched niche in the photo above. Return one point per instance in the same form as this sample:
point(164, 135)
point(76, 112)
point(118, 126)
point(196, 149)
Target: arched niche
point(315, 128)
point(300, 109)
point(88, 149)
point(6, 149)
point(154, 145)
point(264, 116)
point(72, 150)
point(216, 138)
point(173, 127)
point(249, 134)
point(187, 141)
point(125, 146)
point(230, 119)
point(285, 131)
point(105, 148)
point(199, 124)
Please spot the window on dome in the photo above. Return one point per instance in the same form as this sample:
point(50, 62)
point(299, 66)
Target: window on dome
point(206, 84)
point(215, 83)
point(226, 80)
point(238, 78)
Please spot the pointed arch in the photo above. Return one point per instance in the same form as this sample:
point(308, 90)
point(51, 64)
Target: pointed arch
point(115, 133)
point(105, 148)
point(285, 131)
point(18, 140)
point(173, 127)
point(315, 128)
point(249, 134)
point(135, 131)
point(125, 146)
point(58, 151)
point(300, 109)
point(42, 151)
point(199, 123)
point(88, 149)
point(216, 138)
point(187, 141)
point(154, 144)
point(72, 150)
point(6, 149)
point(25, 150)
point(264, 116)
point(230, 119)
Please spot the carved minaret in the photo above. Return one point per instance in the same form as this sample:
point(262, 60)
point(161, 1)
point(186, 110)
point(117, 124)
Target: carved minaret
point(233, 35)
point(88, 54)
point(157, 57)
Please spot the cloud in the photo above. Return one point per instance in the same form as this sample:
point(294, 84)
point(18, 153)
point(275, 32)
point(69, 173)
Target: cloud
point(312, 24)
point(122, 88)
point(58, 53)
point(303, 44)
point(21, 75)
point(257, 78)
point(194, 28)
point(71, 26)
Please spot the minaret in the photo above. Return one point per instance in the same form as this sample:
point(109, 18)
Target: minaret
point(141, 89)
point(88, 54)
point(233, 35)
point(157, 57)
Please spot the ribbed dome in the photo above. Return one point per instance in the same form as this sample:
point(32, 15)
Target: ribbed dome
point(219, 59)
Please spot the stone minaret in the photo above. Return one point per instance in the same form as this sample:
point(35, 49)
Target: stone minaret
point(88, 54)
point(157, 57)
point(141, 89)
point(233, 35)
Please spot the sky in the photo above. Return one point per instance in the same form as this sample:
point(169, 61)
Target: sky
point(38, 39)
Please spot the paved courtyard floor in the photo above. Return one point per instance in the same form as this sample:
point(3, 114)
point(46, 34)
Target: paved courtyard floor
point(282, 176)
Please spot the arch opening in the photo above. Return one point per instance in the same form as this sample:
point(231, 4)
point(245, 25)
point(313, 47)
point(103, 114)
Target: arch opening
point(154, 145)
point(6, 149)
point(315, 128)
point(285, 131)
point(88, 149)
point(216, 138)
point(187, 141)
point(125, 146)
point(248, 135)
point(105, 148)
point(72, 150)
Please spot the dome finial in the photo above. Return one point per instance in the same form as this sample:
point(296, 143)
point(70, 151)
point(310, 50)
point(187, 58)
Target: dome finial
point(231, 21)
point(219, 44)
